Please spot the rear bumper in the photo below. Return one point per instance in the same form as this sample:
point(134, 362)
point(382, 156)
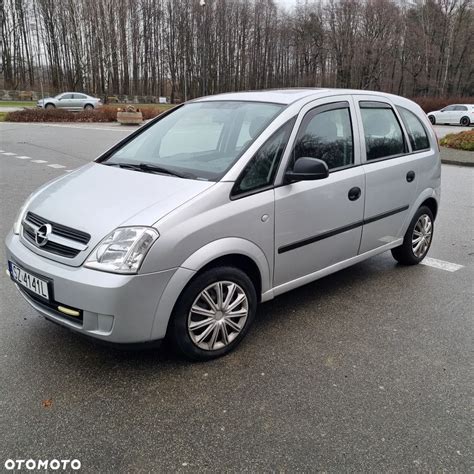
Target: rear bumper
point(115, 308)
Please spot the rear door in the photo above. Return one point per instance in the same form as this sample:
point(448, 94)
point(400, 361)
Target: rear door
point(391, 172)
point(78, 101)
point(319, 223)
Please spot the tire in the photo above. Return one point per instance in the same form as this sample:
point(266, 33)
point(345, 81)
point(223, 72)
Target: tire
point(191, 342)
point(421, 227)
point(465, 122)
point(49, 106)
point(88, 107)
point(432, 119)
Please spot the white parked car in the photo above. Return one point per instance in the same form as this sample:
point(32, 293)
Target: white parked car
point(74, 101)
point(456, 114)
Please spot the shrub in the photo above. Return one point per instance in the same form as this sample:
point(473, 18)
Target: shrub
point(429, 104)
point(104, 114)
point(460, 141)
point(39, 115)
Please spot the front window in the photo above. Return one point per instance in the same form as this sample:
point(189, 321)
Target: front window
point(326, 135)
point(200, 140)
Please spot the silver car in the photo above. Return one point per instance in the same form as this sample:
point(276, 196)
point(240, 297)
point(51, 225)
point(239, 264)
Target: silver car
point(74, 101)
point(182, 228)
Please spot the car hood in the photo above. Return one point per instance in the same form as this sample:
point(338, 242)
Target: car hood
point(96, 199)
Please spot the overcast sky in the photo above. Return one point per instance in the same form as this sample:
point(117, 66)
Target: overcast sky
point(286, 3)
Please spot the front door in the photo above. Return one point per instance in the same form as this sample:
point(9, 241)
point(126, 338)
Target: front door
point(319, 223)
point(66, 101)
point(449, 114)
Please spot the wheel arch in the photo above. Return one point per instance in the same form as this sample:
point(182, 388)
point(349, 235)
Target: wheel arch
point(236, 252)
point(432, 204)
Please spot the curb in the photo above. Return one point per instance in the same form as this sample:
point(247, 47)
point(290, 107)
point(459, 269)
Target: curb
point(457, 162)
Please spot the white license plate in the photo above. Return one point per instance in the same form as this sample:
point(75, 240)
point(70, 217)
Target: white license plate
point(29, 281)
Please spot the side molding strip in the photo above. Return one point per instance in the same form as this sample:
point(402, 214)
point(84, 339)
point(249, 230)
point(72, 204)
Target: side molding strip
point(339, 230)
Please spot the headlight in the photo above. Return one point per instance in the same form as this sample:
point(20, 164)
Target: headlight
point(123, 250)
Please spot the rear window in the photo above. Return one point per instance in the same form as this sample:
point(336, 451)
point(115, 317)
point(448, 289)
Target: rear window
point(416, 131)
point(383, 134)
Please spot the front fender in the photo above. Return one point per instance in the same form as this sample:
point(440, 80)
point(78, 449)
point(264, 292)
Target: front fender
point(199, 259)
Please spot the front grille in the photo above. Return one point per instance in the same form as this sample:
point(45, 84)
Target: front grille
point(59, 229)
point(51, 247)
point(51, 306)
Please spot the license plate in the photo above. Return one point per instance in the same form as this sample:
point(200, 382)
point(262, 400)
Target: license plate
point(36, 285)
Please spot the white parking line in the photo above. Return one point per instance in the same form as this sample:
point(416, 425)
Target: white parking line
point(9, 153)
point(38, 161)
point(23, 157)
point(56, 166)
point(441, 264)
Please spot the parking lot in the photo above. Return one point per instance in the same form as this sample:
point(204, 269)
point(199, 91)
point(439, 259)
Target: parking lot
point(367, 370)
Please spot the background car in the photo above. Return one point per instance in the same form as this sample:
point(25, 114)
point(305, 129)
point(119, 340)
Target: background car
point(70, 101)
point(456, 114)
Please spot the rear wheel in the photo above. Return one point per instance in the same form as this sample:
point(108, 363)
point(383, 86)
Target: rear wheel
point(49, 106)
point(417, 240)
point(465, 122)
point(88, 107)
point(213, 313)
point(432, 119)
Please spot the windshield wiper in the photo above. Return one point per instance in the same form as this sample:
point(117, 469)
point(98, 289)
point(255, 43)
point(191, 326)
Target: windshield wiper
point(148, 168)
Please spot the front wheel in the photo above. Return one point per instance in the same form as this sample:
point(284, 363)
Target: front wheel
point(417, 240)
point(432, 119)
point(50, 107)
point(213, 313)
point(465, 122)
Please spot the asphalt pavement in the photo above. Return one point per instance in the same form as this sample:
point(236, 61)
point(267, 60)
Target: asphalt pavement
point(367, 370)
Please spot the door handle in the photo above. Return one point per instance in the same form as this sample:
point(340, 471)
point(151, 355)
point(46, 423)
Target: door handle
point(410, 176)
point(354, 194)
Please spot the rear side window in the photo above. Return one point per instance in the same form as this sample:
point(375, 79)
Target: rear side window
point(416, 132)
point(262, 168)
point(461, 107)
point(383, 134)
point(326, 135)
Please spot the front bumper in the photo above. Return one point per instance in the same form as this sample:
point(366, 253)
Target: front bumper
point(115, 308)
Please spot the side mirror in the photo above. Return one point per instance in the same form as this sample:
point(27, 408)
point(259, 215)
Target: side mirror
point(307, 169)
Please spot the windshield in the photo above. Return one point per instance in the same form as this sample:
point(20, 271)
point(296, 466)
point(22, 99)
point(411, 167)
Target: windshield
point(201, 140)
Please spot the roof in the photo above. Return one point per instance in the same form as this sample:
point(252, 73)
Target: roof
point(277, 96)
point(289, 96)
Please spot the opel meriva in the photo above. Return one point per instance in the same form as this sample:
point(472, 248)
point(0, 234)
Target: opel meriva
point(183, 227)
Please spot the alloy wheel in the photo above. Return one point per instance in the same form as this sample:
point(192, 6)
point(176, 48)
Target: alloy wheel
point(421, 237)
point(218, 315)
